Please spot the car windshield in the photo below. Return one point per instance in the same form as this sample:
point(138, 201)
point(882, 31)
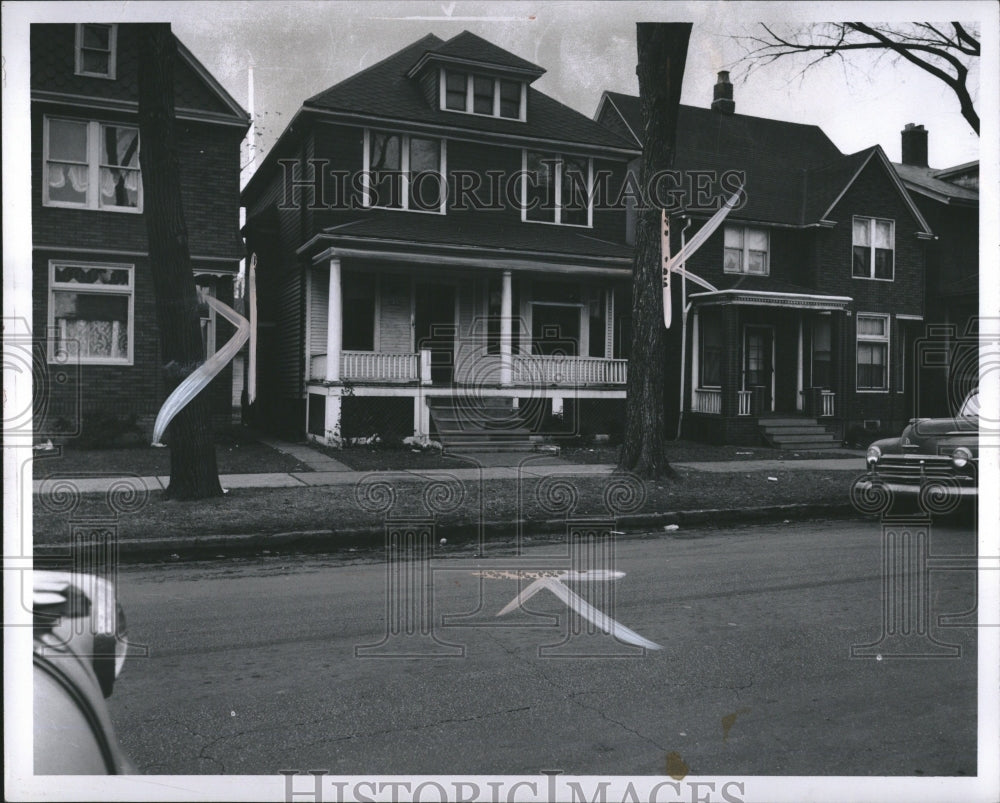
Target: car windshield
point(970, 408)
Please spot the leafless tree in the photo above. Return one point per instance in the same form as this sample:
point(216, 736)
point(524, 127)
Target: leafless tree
point(193, 472)
point(947, 51)
point(662, 50)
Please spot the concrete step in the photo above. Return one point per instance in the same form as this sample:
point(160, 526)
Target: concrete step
point(489, 446)
point(801, 429)
point(815, 437)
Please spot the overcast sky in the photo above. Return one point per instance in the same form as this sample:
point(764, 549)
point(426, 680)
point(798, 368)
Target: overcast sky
point(300, 48)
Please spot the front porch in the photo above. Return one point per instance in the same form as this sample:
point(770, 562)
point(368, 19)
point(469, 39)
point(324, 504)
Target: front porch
point(757, 358)
point(382, 332)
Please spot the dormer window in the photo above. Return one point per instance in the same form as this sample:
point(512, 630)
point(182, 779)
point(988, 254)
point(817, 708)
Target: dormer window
point(96, 50)
point(472, 93)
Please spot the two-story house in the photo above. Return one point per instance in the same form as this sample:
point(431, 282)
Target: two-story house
point(947, 354)
point(432, 259)
point(812, 289)
point(92, 288)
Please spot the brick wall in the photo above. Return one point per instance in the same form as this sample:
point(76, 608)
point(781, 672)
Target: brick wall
point(75, 393)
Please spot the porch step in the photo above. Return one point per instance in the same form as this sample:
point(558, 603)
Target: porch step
point(488, 424)
point(797, 433)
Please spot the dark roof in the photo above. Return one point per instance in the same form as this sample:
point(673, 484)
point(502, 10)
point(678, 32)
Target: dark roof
point(469, 47)
point(384, 91)
point(925, 181)
point(823, 185)
point(479, 230)
point(777, 156)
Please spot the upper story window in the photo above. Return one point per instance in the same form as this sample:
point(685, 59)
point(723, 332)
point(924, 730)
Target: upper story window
point(873, 352)
point(95, 50)
point(483, 94)
point(874, 243)
point(746, 250)
point(91, 314)
point(91, 165)
point(557, 188)
point(403, 171)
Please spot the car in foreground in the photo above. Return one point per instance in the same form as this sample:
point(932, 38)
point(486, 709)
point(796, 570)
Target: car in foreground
point(934, 460)
point(79, 648)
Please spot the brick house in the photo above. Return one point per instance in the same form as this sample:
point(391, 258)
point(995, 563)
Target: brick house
point(948, 352)
point(92, 289)
point(817, 282)
point(431, 261)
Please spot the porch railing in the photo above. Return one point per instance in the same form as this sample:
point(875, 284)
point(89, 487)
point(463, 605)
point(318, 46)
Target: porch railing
point(826, 403)
point(708, 400)
point(370, 366)
point(744, 397)
point(563, 370)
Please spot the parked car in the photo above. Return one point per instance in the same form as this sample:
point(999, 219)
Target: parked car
point(934, 460)
point(79, 650)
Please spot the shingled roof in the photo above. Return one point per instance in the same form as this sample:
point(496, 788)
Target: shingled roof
point(791, 168)
point(469, 47)
point(926, 181)
point(384, 91)
point(481, 232)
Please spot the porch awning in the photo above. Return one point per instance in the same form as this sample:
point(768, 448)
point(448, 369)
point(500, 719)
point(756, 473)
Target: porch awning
point(766, 298)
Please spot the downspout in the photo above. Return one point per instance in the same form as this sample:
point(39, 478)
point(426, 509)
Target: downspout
point(684, 320)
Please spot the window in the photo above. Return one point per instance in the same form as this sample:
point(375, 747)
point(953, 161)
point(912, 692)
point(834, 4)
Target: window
point(873, 352)
point(710, 369)
point(206, 313)
point(91, 165)
point(874, 246)
point(359, 312)
point(482, 94)
point(822, 353)
point(746, 250)
point(90, 313)
point(95, 50)
point(557, 189)
point(597, 309)
point(404, 172)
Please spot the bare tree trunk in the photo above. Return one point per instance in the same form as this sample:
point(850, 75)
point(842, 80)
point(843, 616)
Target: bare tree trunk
point(662, 51)
point(193, 471)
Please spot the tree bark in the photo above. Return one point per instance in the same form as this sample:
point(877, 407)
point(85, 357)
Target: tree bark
point(193, 471)
point(662, 52)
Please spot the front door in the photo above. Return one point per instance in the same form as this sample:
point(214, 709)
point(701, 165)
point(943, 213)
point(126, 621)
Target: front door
point(758, 367)
point(434, 325)
point(555, 329)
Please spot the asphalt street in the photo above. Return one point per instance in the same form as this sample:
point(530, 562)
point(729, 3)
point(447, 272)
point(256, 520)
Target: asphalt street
point(283, 662)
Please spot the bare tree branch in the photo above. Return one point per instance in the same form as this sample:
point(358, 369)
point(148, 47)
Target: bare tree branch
point(945, 55)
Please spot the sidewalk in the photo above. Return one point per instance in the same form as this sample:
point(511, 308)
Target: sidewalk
point(330, 472)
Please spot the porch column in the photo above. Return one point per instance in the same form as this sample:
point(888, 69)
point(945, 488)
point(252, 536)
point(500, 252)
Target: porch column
point(506, 315)
point(335, 324)
point(695, 359)
point(798, 369)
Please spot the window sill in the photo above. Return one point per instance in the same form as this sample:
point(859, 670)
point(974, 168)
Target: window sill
point(127, 210)
point(554, 223)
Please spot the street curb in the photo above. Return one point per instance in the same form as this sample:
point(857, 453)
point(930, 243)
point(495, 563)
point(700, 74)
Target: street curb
point(227, 545)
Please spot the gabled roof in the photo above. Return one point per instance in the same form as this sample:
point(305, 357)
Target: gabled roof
point(198, 95)
point(470, 49)
point(928, 181)
point(794, 172)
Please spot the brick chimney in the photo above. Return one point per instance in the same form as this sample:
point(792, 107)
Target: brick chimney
point(914, 145)
point(722, 100)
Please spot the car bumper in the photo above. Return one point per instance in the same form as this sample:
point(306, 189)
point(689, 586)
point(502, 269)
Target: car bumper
point(905, 488)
